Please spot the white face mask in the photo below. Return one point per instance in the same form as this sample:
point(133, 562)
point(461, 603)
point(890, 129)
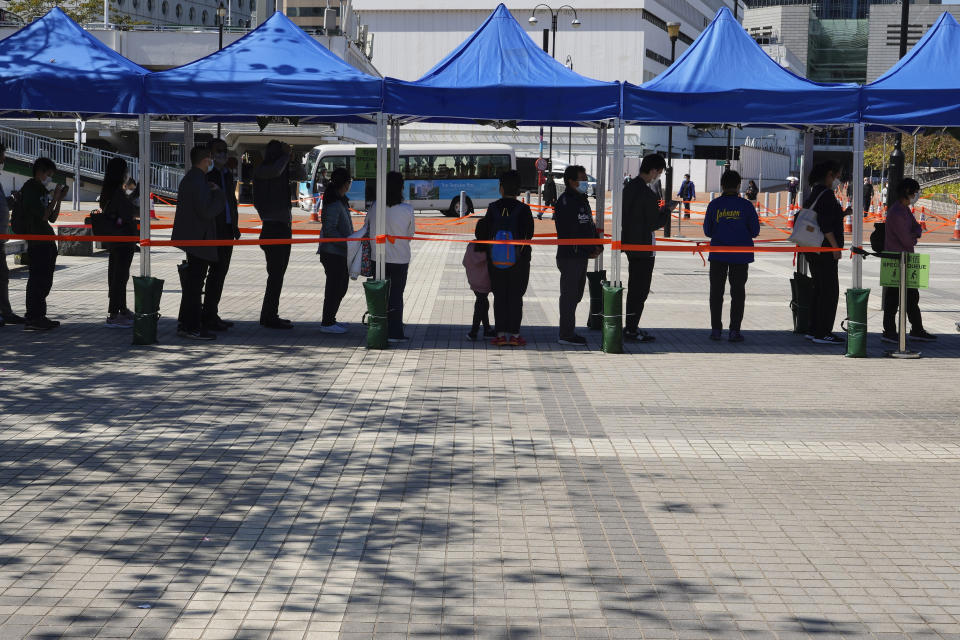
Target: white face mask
point(129, 192)
point(48, 183)
point(836, 183)
point(915, 197)
point(210, 166)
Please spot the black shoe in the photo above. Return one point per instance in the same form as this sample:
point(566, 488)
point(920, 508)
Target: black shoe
point(12, 318)
point(216, 325)
point(226, 323)
point(276, 323)
point(471, 336)
point(921, 336)
point(43, 324)
point(202, 334)
point(574, 340)
point(735, 336)
point(490, 333)
point(631, 334)
point(891, 337)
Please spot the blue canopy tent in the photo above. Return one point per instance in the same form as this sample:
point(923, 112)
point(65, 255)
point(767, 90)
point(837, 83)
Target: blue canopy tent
point(923, 88)
point(275, 70)
point(54, 65)
point(500, 76)
point(726, 77)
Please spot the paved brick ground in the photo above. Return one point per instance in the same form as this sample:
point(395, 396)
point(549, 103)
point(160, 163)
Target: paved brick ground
point(296, 485)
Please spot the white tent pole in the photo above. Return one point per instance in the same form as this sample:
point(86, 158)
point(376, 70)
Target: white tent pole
point(857, 180)
point(187, 143)
point(617, 192)
point(601, 190)
point(145, 188)
point(381, 198)
point(806, 164)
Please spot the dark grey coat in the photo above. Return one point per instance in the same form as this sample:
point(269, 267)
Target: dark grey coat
point(197, 209)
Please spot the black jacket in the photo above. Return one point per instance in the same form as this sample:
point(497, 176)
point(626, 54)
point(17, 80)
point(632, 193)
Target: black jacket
point(573, 219)
point(228, 185)
point(271, 190)
point(123, 216)
point(197, 209)
point(829, 212)
point(642, 215)
point(524, 220)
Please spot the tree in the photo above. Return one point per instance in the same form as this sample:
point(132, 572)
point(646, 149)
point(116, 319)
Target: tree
point(81, 11)
point(931, 149)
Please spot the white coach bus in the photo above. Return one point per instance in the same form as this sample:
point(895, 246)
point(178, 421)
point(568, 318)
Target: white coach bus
point(434, 174)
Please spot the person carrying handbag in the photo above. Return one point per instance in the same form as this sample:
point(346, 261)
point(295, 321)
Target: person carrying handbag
point(118, 217)
point(825, 177)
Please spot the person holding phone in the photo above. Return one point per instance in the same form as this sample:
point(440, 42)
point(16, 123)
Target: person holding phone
point(40, 200)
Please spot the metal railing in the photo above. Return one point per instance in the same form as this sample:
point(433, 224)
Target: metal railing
point(27, 146)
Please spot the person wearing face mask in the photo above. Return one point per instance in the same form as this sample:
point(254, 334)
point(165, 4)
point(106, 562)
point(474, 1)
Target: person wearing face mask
point(7, 316)
point(40, 201)
point(902, 233)
point(825, 178)
point(337, 223)
point(574, 221)
point(271, 198)
point(228, 228)
point(122, 220)
point(642, 216)
point(199, 202)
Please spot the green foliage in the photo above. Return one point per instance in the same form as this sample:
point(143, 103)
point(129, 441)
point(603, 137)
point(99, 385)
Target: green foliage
point(79, 10)
point(930, 148)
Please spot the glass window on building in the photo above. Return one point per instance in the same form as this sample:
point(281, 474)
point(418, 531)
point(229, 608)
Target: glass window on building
point(179, 10)
point(293, 12)
point(150, 5)
point(193, 14)
point(253, 5)
point(136, 3)
point(203, 17)
point(164, 7)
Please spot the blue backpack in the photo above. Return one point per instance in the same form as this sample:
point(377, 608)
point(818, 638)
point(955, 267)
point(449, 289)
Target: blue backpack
point(504, 256)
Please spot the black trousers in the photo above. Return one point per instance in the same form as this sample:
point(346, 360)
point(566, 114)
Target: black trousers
point(278, 257)
point(43, 262)
point(891, 305)
point(118, 274)
point(191, 279)
point(639, 276)
point(826, 293)
point(5, 308)
point(720, 272)
point(481, 312)
point(213, 289)
point(338, 279)
point(509, 287)
point(686, 208)
point(573, 278)
point(397, 275)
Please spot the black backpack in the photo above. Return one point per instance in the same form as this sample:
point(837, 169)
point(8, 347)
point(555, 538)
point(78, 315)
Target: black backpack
point(878, 237)
point(18, 221)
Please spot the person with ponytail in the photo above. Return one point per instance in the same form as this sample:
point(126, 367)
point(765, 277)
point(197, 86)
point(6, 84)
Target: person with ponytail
point(336, 223)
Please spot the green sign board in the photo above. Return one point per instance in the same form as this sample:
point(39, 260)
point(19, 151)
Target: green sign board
point(918, 271)
point(720, 163)
point(366, 163)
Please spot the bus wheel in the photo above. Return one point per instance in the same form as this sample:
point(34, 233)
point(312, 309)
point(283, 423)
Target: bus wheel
point(454, 210)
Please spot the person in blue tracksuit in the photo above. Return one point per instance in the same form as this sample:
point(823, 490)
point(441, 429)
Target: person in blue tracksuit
point(731, 221)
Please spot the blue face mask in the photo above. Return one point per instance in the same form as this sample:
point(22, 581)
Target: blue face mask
point(582, 187)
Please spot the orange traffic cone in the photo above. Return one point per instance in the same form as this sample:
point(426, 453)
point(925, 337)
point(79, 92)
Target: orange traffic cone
point(313, 208)
point(848, 224)
point(790, 216)
point(153, 212)
point(956, 228)
point(923, 218)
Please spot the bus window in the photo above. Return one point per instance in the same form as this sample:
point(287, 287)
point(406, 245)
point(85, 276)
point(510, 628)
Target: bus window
point(335, 162)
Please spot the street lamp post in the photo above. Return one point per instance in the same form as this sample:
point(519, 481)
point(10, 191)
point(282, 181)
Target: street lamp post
point(569, 64)
point(673, 30)
point(221, 12)
point(551, 48)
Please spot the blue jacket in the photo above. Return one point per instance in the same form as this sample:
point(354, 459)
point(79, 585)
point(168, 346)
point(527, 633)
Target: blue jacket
point(731, 221)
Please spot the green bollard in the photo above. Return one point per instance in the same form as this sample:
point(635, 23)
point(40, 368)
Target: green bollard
point(146, 309)
point(801, 287)
point(595, 279)
point(612, 338)
point(377, 295)
point(857, 322)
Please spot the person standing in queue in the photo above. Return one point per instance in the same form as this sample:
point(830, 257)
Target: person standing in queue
point(642, 216)
point(7, 316)
point(574, 221)
point(731, 221)
point(122, 216)
point(271, 199)
point(336, 223)
point(40, 200)
point(687, 194)
point(509, 265)
point(400, 221)
point(901, 235)
point(198, 204)
point(228, 228)
point(825, 178)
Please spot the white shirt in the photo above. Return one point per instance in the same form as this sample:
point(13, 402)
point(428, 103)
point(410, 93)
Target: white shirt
point(400, 222)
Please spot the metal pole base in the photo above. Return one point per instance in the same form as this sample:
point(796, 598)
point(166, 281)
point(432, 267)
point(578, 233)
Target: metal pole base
point(903, 355)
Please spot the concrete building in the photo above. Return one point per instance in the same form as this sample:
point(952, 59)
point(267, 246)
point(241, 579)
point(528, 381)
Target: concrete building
point(883, 46)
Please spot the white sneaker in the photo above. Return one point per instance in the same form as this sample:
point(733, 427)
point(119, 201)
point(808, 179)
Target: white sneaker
point(333, 328)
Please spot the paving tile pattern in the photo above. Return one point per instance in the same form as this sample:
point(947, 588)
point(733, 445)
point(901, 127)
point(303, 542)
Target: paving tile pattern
point(295, 485)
